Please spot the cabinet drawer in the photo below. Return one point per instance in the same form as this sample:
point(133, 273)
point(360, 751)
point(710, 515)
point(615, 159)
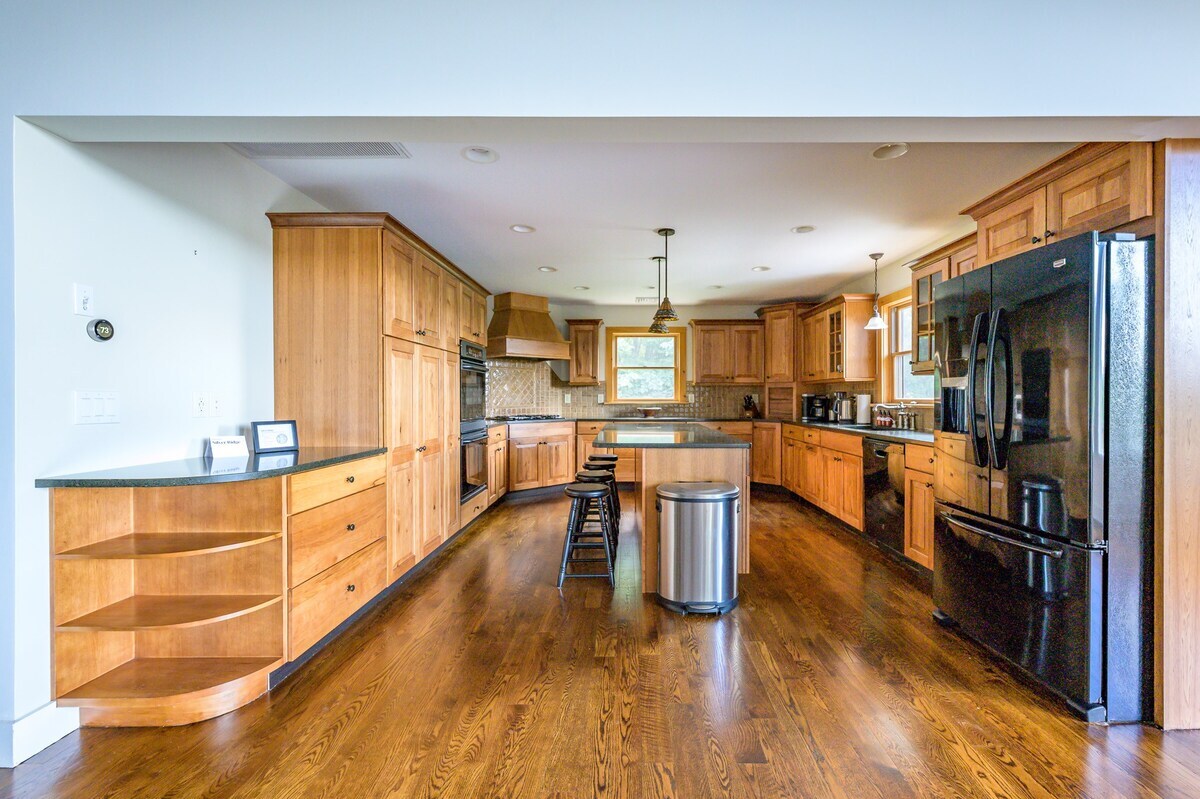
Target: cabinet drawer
point(955, 448)
point(950, 479)
point(918, 458)
point(310, 489)
point(841, 442)
point(811, 436)
point(589, 428)
point(470, 510)
point(319, 538)
point(497, 433)
point(792, 432)
point(732, 428)
point(541, 432)
point(325, 601)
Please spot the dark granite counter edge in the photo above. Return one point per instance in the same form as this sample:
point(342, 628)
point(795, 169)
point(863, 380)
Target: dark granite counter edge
point(714, 439)
point(680, 419)
point(82, 480)
point(899, 436)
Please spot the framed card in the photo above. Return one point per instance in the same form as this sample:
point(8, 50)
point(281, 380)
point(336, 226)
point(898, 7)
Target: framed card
point(274, 436)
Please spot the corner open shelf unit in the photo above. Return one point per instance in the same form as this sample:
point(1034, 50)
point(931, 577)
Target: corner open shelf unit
point(168, 600)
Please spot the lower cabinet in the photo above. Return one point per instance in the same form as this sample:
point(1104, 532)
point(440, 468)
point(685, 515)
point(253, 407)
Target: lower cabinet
point(497, 470)
point(585, 434)
point(766, 453)
point(822, 467)
point(541, 455)
point(918, 517)
point(842, 490)
point(792, 466)
point(321, 603)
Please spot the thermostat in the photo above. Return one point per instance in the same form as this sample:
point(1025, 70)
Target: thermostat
point(101, 329)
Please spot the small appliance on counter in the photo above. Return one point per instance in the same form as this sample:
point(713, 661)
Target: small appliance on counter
point(862, 409)
point(845, 408)
point(813, 407)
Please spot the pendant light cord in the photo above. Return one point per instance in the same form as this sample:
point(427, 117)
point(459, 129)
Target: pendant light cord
point(666, 266)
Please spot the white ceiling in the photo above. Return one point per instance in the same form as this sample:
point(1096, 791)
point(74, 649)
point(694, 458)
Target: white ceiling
point(596, 207)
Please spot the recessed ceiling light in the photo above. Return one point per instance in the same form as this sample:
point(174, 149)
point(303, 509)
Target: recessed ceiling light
point(547, 269)
point(760, 269)
point(803, 229)
point(522, 228)
point(886, 152)
point(716, 287)
point(480, 155)
point(582, 288)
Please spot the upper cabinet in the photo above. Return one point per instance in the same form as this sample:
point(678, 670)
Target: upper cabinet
point(584, 338)
point(728, 351)
point(1097, 186)
point(837, 346)
point(944, 263)
point(779, 334)
point(399, 265)
point(473, 316)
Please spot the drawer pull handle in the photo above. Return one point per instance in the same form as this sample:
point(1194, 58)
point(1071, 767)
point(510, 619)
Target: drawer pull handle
point(350, 527)
point(350, 587)
point(350, 479)
point(929, 485)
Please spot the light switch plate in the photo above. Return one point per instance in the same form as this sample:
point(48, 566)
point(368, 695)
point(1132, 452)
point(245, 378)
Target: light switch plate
point(96, 407)
point(566, 399)
point(83, 301)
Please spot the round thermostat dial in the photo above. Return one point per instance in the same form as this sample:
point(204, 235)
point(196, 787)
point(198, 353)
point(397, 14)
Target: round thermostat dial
point(101, 329)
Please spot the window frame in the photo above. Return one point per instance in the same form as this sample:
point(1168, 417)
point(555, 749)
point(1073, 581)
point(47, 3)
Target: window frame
point(679, 379)
point(888, 305)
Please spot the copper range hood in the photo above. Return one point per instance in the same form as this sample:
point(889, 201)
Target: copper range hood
point(521, 327)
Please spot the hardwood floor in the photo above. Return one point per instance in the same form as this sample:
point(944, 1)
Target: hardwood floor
point(479, 679)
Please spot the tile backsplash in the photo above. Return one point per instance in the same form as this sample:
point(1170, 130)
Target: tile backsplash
point(516, 386)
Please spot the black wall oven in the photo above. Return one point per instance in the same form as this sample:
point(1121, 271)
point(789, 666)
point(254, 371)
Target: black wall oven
point(472, 408)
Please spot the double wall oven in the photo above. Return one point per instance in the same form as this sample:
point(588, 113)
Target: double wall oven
point(472, 403)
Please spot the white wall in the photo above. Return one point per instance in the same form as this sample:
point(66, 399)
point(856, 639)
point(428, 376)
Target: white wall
point(174, 242)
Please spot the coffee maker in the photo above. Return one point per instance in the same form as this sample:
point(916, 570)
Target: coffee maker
point(814, 408)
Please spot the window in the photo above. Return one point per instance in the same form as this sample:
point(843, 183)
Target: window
point(645, 367)
point(902, 384)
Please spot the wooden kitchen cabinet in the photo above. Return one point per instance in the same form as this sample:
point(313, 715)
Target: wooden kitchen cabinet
point(584, 338)
point(792, 465)
point(497, 470)
point(779, 336)
point(954, 259)
point(838, 347)
point(430, 460)
point(451, 311)
point(452, 438)
point(473, 319)
point(541, 455)
point(1095, 186)
point(399, 266)
point(766, 453)
point(811, 483)
point(728, 352)
point(918, 517)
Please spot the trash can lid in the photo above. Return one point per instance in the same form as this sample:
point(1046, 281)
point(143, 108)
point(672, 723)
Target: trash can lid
point(698, 492)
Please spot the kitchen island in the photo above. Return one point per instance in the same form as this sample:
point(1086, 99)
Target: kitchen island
point(673, 452)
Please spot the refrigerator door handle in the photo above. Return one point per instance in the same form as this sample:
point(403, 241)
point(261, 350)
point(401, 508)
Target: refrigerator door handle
point(956, 521)
point(972, 421)
point(999, 333)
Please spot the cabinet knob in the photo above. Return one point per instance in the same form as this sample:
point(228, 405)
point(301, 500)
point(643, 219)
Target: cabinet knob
point(1035, 239)
point(350, 587)
point(350, 527)
point(929, 485)
point(931, 460)
point(1050, 234)
point(350, 479)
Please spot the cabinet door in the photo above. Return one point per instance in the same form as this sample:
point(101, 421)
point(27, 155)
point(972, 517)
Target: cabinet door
point(583, 449)
point(428, 313)
point(1017, 227)
point(1110, 191)
point(467, 322)
point(557, 461)
point(399, 392)
point(791, 465)
point(746, 345)
point(812, 336)
point(810, 475)
point(766, 454)
point(480, 316)
point(962, 261)
point(451, 311)
point(852, 490)
point(713, 357)
point(779, 335)
point(918, 517)
point(835, 341)
point(494, 456)
point(585, 353)
point(452, 436)
point(831, 481)
point(430, 452)
point(501, 468)
point(399, 301)
point(923, 281)
point(523, 463)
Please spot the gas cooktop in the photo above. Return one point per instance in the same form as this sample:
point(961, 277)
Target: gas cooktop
point(527, 417)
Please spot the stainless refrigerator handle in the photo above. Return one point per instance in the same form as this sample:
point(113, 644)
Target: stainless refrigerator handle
point(957, 522)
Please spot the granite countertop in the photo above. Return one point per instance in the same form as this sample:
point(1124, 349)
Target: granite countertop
point(882, 433)
point(494, 422)
point(201, 471)
point(664, 435)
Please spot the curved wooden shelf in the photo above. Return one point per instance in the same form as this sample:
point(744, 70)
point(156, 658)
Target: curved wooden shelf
point(154, 612)
point(166, 545)
point(170, 691)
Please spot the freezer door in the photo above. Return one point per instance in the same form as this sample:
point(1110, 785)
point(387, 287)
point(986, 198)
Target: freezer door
point(1034, 601)
point(1041, 377)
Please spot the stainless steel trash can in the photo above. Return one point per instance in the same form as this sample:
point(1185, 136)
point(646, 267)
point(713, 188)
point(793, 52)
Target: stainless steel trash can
point(697, 546)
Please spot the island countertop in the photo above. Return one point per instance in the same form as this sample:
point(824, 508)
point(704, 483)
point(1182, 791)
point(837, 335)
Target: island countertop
point(199, 471)
point(649, 434)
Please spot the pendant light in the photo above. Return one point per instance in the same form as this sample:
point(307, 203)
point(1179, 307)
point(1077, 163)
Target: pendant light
point(658, 326)
point(665, 312)
point(876, 321)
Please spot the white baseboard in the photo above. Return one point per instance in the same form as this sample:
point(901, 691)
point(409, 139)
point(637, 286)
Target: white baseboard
point(33, 732)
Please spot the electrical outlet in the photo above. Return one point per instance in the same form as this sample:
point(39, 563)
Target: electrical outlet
point(96, 407)
point(599, 399)
point(214, 405)
point(83, 301)
point(566, 399)
point(691, 398)
point(200, 404)
point(754, 397)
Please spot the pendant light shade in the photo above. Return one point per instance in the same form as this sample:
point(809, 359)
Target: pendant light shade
point(876, 321)
point(657, 325)
point(665, 312)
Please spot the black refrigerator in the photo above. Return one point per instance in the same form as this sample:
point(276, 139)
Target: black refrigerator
point(1044, 481)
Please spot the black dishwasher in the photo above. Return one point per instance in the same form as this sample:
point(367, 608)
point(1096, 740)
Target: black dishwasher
point(883, 493)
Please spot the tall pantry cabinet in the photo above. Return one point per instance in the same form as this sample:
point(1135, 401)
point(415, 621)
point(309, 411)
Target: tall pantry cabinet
point(367, 324)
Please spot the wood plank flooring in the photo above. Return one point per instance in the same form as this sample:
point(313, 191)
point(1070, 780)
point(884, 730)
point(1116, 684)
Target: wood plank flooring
point(479, 679)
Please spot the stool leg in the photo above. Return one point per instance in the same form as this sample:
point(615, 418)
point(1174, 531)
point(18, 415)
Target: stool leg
point(572, 517)
point(606, 527)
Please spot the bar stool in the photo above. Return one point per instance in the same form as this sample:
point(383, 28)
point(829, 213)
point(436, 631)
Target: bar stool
point(611, 467)
point(603, 477)
point(586, 499)
point(602, 457)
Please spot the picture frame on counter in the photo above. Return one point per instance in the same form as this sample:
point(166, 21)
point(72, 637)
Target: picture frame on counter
point(276, 436)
